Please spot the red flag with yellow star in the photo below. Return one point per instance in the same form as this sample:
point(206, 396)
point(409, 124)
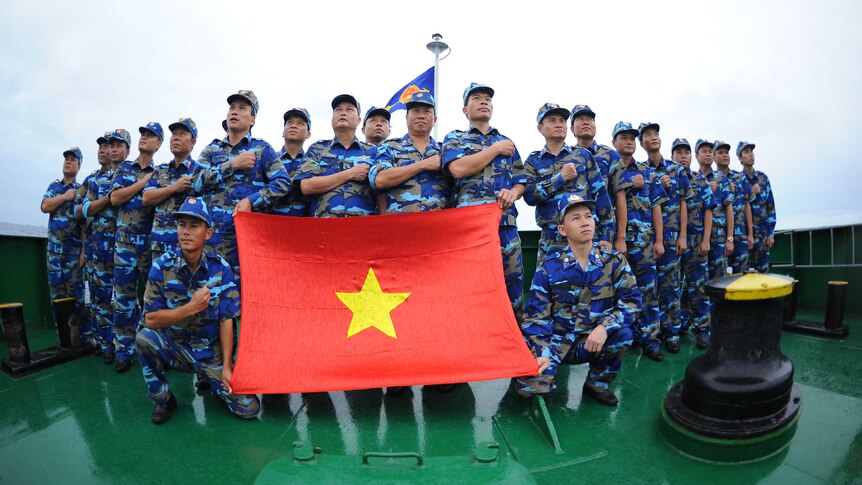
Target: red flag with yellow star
point(367, 302)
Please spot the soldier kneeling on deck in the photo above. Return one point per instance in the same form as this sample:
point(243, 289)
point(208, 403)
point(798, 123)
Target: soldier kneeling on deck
point(190, 303)
point(581, 307)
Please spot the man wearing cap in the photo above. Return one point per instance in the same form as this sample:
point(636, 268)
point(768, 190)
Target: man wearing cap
point(334, 173)
point(132, 251)
point(694, 305)
point(584, 128)
point(762, 208)
point(722, 215)
point(170, 185)
point(408, 169)
point(638, 194)
point(487, 169)
point(581, 308)
point(238, 173)
point(97, 209)
point(375, 127)
point(675, 181)
point(559, 170)
point(297, 129)
point(743, 233)
point(65, 246)
point(189, 309)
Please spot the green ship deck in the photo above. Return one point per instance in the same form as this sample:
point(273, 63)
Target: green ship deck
point(80, 422)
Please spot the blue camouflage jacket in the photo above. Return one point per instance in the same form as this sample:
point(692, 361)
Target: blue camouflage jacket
point(64, 229)
point(428, 190)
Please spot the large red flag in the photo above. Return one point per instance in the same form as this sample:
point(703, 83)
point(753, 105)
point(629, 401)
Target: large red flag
point(366, 302)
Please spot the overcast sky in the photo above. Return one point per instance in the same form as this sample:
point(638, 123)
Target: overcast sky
point(784, 75)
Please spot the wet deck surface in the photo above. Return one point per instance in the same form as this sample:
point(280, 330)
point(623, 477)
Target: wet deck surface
point(80, 422)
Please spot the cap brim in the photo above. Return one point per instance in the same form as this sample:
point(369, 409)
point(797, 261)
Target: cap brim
point(419, 101)
point(70, 152)
point(382, 112)
point(297, 113)
point(479, 89)
point(248, 100)
point(341, 98)
point(681, 145)
point(174, 126)
point(634, 132)
point(101, 140)
point(557, 111)
point(575, 114)
point(142, 129)
point(192, 214)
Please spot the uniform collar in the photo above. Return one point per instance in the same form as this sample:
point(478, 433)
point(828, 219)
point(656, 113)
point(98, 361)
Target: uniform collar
point(181, 261)
point(284, 155)
point(406, 141)
point(355, 142)
point(246, 138)
point(491, 131)
point(595, 260)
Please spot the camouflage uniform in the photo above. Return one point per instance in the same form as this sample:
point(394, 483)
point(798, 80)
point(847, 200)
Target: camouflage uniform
point(605, 157)
point(89, 255)
point(328, 157)
point(191, 345)
point(65, 277)
point(222, 188)
point(738, 260)
point(103, 226)
point(723, 197)
point(294, 203)
point(546, 188)
point(482, 188)
point(763, 220)
point(428, 190)
point(694, 305)
point(639, 239)
point(163, 237)
point(567, 302)
point(668, 264)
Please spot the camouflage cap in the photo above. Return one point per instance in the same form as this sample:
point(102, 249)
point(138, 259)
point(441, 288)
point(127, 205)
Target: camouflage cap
point(679, 143)
point(646, 126)
point(341, 98)
point(375, 111)
point(719, 144)
point(623, 127)
point(153, 127)
point(195, 207)
point(742, 146)
point(701, 142)
point(473, 87)
point(74, 151)
point(188, 124)
point(121, 135)
point(247, 95)
point(420, 97)
point(573, 200)
point(551, 109)
point(582, 109)
point(300, 113)
point(224, 125)
point(104, 138)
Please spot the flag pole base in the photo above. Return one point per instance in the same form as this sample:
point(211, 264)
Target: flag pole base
point(542, 419)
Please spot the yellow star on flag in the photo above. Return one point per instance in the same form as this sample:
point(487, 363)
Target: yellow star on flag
point(371, 307)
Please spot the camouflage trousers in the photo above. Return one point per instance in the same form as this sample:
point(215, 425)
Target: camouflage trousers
point(738, 259)
point(549, 239)
point(65, 278)
point(131, 267)
point(694, 306)
point(604, 365)
point(759, 258)
point(717, 260)
point(642, 262)
point(513, 268)
point(157, 352)
point(101, 291)
point(669, 291)
point(225, 246)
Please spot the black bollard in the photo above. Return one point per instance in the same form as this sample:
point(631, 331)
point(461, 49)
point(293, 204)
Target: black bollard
point(67, 322)
point(791, 304)
point(12, 315)
point(836, 300)
point(737, 401)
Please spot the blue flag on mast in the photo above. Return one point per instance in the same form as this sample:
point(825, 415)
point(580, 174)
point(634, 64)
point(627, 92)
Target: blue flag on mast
point(424, 83)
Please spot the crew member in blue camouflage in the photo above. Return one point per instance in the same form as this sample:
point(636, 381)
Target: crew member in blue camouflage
point(97, 209)
point(584, 128)
point(334, 173)
point(581, 307)
point(722, 215)
point(762, 208)
point(189, 308)
point(743, 233)
point(675, 181)
point(694, 305)
point(375, 126)
point(408, 171)
point(170, 185)
point(89, 248)
point(638, 196)
point(238, 173)
point(65, 255)
point(132, 253)
point(487, 169)
point(297, 129)
point(559, 170)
